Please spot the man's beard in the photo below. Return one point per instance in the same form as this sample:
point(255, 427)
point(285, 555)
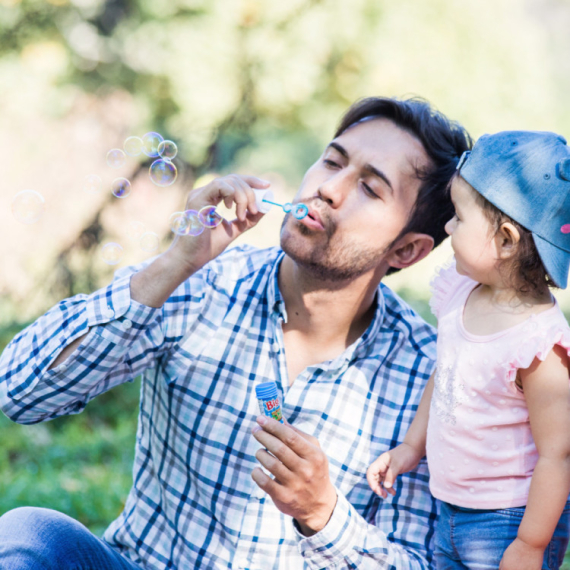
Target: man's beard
point(337, 259)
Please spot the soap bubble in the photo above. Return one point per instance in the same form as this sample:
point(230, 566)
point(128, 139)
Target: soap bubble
point(209, 218)
point(178, 223)
point(116, 158)
point(300, 211)
point(112, 253)
point(195, 227)
point(121, 187)
point(167, 150)
point(28, 206)
point(92, 183)
point(133, 146)
point(135, 230)
point(163, 172)
point(150, 144)
point(149, 241)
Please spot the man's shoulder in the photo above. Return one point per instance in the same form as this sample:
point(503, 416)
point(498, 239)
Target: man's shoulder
point(401, 319)
point(242, 262)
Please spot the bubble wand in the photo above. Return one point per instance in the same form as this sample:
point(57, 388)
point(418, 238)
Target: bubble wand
point(264, 200)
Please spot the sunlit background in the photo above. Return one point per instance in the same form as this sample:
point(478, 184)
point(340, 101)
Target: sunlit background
point(248, 86)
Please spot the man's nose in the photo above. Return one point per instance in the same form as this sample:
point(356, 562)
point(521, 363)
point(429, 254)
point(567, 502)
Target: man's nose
point(335, 188)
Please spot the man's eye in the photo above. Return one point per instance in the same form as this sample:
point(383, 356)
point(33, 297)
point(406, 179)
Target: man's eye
point(369, 190)
point(330, 162)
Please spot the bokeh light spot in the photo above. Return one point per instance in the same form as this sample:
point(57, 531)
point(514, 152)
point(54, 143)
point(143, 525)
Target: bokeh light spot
point(92, 183)
point(28, 206)
point(116, 158)
point(149, 241)
point(163, 172)
point(209, 218)
point(167, 150)
point(121, 187)
point(195, 227)
point(135, 230)
point(150, 144)
point(133, 146)
point(112, 253)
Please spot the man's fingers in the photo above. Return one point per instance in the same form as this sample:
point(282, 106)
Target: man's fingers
point(278, 448)
point(273, 465)
point(290, 437)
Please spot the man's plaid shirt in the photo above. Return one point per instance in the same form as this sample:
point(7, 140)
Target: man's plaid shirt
point(193, 503)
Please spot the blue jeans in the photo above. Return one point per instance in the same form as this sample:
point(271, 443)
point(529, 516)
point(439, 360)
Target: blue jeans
point(470, 539)
point(42, 539)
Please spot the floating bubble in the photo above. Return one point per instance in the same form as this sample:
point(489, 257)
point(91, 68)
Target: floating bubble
point(135, 230)
point(116, 158)
point(163, 172)
point(209, 218)
point(149, 241)
point(28, 206)
point(121, 187)
point(300, 211)
point(133, 146)
point(195, 227)
point(287, 207)
point(92, 183)
point(167, 150)
point(150, 144)
point(112, 253)
point(178, 223)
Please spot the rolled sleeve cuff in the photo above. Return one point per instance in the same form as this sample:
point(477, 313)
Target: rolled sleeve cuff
point(119, 317)
point(334, 545)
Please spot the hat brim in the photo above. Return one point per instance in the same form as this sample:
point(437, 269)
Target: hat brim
point(555, 260)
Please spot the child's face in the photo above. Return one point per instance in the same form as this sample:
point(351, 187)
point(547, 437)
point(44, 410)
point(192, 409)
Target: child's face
point(471, 234)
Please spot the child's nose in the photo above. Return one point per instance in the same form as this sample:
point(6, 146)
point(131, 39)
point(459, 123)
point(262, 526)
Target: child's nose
point(449, 226)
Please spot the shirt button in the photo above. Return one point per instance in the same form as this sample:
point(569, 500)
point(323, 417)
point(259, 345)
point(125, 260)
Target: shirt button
point(127, 324)
point(62, 368)
point(109, 313)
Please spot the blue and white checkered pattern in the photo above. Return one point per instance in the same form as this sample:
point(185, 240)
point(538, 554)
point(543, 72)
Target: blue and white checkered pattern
point(193, 503)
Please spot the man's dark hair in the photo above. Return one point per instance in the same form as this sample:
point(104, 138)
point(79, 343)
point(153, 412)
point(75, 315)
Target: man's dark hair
point(444, 142)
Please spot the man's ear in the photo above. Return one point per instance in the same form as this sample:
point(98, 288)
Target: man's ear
point(506, 240)
point(410, 249)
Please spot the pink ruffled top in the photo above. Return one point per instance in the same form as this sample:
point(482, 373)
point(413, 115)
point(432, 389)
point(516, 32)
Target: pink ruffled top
point(480, 449)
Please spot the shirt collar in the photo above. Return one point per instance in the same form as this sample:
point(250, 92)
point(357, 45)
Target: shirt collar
point(357, 349)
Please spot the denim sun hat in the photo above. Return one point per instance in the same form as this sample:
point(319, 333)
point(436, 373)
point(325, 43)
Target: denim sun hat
point(526, 174)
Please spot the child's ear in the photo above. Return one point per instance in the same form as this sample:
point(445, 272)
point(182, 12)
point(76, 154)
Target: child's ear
point(507, 239)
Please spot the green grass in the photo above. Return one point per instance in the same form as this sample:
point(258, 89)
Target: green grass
point(80, 465)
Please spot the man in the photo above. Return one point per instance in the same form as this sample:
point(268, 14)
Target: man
point(204, 326)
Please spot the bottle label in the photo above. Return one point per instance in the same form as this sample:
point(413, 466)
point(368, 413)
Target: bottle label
point(271, 408)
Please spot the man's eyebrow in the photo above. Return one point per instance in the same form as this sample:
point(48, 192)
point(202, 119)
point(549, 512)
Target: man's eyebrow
point(367, 167)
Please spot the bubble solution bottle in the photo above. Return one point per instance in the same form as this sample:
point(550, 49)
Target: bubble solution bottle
point(268, 399)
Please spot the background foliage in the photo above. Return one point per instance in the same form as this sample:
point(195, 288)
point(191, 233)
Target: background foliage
point(251, 86)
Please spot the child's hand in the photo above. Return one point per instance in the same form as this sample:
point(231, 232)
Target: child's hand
point(383, 472)
point(522, 556)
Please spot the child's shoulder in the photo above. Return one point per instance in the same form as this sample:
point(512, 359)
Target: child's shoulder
point(445, 283)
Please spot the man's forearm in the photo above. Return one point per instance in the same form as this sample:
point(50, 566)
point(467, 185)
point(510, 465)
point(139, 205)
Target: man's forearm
point(153, 285)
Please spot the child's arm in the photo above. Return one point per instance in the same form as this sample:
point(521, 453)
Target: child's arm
point(383, 471)
point(547, 392)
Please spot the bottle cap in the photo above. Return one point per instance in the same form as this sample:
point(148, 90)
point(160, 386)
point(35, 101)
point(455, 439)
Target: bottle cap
point(266, 391)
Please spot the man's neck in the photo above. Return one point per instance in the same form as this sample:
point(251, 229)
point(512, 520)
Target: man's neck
point(326, 313)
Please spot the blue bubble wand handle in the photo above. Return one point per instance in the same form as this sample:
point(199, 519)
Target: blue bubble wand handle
point(264, 200)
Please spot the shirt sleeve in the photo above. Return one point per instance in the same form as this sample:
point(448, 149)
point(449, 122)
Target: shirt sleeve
point(123, 338)
point(349, 541)
point(445, 282)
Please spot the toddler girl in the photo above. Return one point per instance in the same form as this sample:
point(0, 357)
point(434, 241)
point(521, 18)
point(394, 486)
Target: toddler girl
point(494, 419)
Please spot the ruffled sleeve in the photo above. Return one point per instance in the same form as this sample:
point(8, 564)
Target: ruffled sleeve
point(442, 286)
point(538, 343)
